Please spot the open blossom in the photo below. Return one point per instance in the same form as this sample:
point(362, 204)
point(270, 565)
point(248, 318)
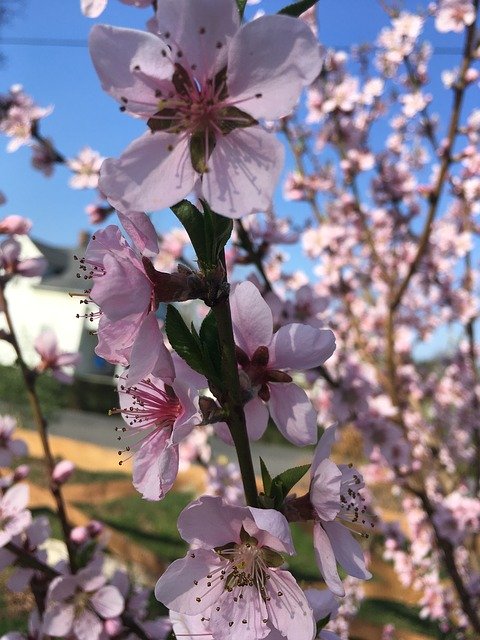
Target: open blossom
point(15, 225)
point(264, 357)
point(203, 86)
point(93, 8)
point(52, 358)
point(11, 263)
point(333, 499)
point(234, 573)
point(21, 113)
point(86, 167)
point(159, 416)
point(9, 448)
point(14, 517)
point(454, 15)
point(128, 330)
point(77, 604)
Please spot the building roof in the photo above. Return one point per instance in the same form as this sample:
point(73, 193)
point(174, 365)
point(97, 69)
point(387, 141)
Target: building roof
point(62, 269)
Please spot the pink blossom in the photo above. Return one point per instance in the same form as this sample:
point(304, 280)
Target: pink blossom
point(11, 264)
point(98, 213)
point(86, 167)
point(15, 225)
point(52, 358)
point(263, 358)
point(334, 499)
point(203, 85)
point(234, 572)
point(454, 15)
point(159, 416)
point(20, 116)
point(77, 604)
point(9, 448)
point(63, 471)
point(128, 329)
point(14, 517)
point(93, 8)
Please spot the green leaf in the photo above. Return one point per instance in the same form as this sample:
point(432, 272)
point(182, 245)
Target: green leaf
point(297, 8)
point(276, 493)
point(183, 342)
point(289, 478)
point(266, 477)
point(241, 6)
point(210, 343)
point(192, 219)
point(221, 229)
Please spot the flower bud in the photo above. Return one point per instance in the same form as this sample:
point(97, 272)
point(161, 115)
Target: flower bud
point(21, 472)
point(63, 471)
point(79, 535)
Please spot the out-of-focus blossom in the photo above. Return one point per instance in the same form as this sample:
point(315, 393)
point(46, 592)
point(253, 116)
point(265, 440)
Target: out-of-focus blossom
point(63, 471)
point(454, 15)
point(11, 264)
point(52, 358)
point(10, 448)
point(15, 225)
point(86, 168)
point(14, 516)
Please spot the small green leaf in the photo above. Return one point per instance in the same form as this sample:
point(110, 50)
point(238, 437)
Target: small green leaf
point(241, 6)
point(192, 219)
point(289, 478)
point(183, 342)
point(221, 229)
point(297, 8)
point(266, 477)
point(276, 493)
point(211, 348)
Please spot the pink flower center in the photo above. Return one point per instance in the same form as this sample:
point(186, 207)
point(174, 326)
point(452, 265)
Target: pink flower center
point(153, 408)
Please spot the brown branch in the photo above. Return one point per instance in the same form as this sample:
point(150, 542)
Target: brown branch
point(29, 378)
point(434, 198)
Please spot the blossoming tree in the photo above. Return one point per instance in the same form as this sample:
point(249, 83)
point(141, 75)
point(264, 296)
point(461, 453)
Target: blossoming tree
point(392, 243)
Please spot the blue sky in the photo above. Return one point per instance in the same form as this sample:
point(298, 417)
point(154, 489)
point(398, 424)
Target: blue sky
point(63, 76)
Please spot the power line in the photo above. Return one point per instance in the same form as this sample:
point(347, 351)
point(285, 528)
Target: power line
point(78, 43)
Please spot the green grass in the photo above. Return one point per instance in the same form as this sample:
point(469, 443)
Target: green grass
point(152, 525)
point(81, 395)
point(38, 474)
point(401, 615)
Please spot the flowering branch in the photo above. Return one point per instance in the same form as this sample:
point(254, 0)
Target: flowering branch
point(29, 378)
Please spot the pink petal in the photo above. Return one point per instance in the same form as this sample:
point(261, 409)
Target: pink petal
point(177, 590)
point(116, 52)
point(244, 169)
point(109, 290)
point(115, 339)
point(210, 522)
point(325, 490)
point(142, 232)
point(58, 619)
point(322, 601)
point(87, 626)
point(271, 530)
point(326, 560)
point(20, 579)
point(92, 8)
point(324, 446)
point(149, 354)
point(299, 346)
point(251, 317)
point(148, 176)
point(273, 57)
point(256, 417)
point(347, 550)
point(290, 612)
point(155, 467)
point(292, 412)
point(184, 20)
point(46, 344)
point(227, 618)
point(32, 267)
point(108, 602)
point(15, 500)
